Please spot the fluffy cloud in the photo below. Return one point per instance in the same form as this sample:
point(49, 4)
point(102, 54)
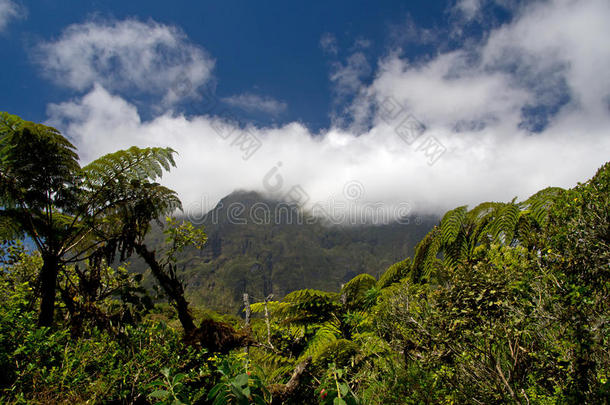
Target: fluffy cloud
point(472, 104)
point(127, 55)
point(10, 10)
point(252, 103)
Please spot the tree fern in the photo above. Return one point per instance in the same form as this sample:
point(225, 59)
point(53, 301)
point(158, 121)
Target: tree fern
point(38, 166)
point(75, 214)
point(310, 306)
point(338, 351)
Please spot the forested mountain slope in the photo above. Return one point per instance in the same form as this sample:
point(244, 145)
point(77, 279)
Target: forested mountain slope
point(283, 252)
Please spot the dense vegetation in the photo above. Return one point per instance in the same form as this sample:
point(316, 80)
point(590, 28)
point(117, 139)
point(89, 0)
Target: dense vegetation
point(501, 303)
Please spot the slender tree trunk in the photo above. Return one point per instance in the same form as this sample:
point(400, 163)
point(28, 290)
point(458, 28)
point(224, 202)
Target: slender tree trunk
point(48, 280)
point(171, 285)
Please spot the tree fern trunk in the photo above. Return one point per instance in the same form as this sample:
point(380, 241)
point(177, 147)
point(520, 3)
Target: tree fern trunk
point(48, 280)
point(172, 287)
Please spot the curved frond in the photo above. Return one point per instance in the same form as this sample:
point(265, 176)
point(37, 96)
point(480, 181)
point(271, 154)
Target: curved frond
point(339, 351)
point(354, 291)
point(140, 164)
point(452, 223)
point(426, 251)
point(394, 273)
point(326, 334)
point(504, 224)
point(538, 205)
point(310, 306)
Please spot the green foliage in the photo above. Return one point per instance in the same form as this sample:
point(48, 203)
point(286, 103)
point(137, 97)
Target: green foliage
point(354, 292)
point(462, 233)
point(335, 388)
point(169, 390)
point(238, 385)
point(394, 273)
point(425, 261)
point(42, 366)
point(181, 236)
point(37, 167)
point(578, 251)
point(310, 306)
point(452, 224)
point(75, 214)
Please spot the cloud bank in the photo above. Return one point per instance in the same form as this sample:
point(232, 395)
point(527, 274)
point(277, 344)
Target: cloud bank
point(526, 108)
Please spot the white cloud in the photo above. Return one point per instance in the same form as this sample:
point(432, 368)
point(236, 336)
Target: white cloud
point(252, 102)
point(328, 43)
point(348, 77)
point(409, 32)
point(348, 85)
point(468, 8)
point(470, 100)
point(9, 10)
point(127, 55)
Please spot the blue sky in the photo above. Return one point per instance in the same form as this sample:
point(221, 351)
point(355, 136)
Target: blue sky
point(419, 104)
point(270, 48)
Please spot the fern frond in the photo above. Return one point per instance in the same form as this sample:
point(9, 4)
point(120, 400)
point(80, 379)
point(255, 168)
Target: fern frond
point(452, 223)
point(354, 291)
point(339, 352)
point(426, 251)
point(326, 334)
point(482, 211)
point(456, 251)
point(37, 165)
point(309, 306)
point(538, 205)
point(274, 307)
point(394, 273)
point(135, 163)
point(504, 224)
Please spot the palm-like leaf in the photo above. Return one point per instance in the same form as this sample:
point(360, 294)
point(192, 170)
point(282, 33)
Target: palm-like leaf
point(426, 251)
point(452, 223)
point(394, 273)
point(354, 291)
point(461, 231)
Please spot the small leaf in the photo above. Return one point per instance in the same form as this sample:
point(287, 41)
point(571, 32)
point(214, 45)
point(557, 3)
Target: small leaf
point(214, 391)
point(242, 380)
point(178, 378)
point(160, 394)
point(339, 401)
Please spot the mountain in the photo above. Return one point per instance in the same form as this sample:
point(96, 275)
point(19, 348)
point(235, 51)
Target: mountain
point(263, 246)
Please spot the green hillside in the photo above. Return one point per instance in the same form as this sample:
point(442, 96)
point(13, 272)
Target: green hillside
point(283, 255)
